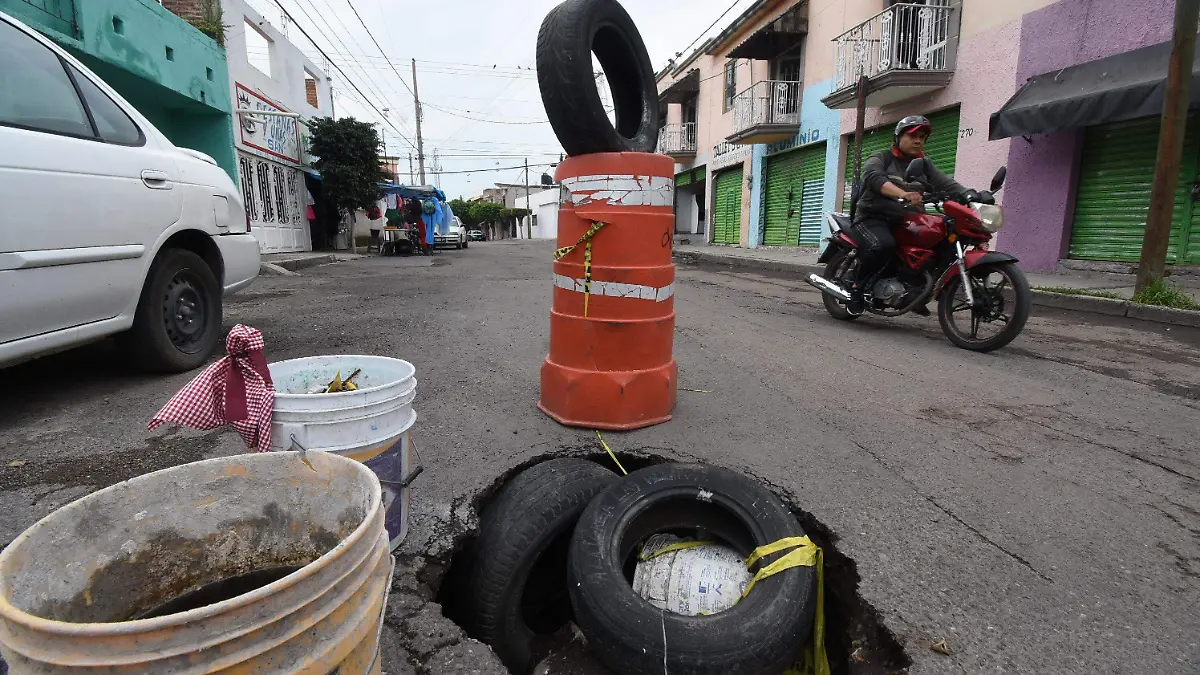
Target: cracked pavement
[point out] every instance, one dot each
(1038, 508)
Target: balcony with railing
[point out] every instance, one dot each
(678, 141)
(904, 51)
(767, 112)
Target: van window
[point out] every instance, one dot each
(112, 122)
(35, 92)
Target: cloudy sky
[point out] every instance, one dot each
(475, 69)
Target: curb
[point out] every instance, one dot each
(1074, 303)
(296, 264)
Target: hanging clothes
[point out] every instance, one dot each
(308, 205)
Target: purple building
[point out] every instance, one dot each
(1084, 129)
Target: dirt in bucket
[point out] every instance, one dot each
(219, 591)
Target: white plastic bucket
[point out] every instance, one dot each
(372, 425)
(702, 579)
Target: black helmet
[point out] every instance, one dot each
(910, 124)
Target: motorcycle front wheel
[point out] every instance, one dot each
(839, 268)
(1002, 304)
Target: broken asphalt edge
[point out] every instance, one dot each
(1064, 301)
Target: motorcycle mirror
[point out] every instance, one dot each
(998, 179)
(916, 170)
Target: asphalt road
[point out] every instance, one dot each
(1037, 508)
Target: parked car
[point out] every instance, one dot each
(107, 227)
(474, 235)
(456, 236)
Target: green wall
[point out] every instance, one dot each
(185, 95)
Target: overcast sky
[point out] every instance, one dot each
(475, 59)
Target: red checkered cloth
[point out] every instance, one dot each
(236, 390)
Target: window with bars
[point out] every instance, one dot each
(281, 198)
(730, 83)
(264, 192)
(246, 169)
(293, 197)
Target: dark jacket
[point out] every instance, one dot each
(889, 166)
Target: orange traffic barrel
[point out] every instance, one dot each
(613, 322)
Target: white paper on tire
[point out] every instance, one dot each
(703, 579)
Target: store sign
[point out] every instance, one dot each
(275, 135)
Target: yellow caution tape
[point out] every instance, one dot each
(586, 240)
(611, 453)
(643, 556)
(806, 554)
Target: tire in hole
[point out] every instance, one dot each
(761, 635)
(517, 586)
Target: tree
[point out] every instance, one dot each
(462, 209)
(486, 212)
(347, 153)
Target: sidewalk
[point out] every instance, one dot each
(803, 261)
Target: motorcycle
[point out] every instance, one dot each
(941, 256)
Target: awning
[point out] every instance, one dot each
(683, 88)
(781, 35)
(1121, 87)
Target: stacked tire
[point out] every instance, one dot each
(571, 528)
(570, 34)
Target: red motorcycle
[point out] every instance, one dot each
(983, 298)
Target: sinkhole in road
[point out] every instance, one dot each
(857, 641)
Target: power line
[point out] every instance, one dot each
(478, 119)
(499, 168)
(710, 27)
(372, 36)
(339, 69)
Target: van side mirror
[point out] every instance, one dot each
(916, 170)
(998, 179)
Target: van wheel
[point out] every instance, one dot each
(178, 319)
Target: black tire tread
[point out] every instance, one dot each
(515, 524)
(762, 635)
(1015, 325)
(141, 344)
(835, 309)
(568, 88)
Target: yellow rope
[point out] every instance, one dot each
(586, 240)
(611, 453)
(806, 554)
(643, 556)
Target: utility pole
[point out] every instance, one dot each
(1157, 238)
(410, 169)
(528, 216)
(858, 137)
(417, 110)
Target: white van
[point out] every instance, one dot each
(106, 228)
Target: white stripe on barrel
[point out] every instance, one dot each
(616, 289)
(626, 190)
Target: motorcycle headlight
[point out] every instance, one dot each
(991, 215)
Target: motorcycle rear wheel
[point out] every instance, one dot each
(1004, 300)
(835, 271)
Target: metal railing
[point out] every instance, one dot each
(767, 102)
(901, 37)
(677, 139)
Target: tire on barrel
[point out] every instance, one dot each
(569, 36)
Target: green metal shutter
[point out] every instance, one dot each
(1113, 193)
(784, 193)
(812, 210)
(941, 148)
(727, 210)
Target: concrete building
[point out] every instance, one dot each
(168, 69)
(544, 206)
(269, 74)
(760, 120)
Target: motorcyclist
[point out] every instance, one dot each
(886, 198)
